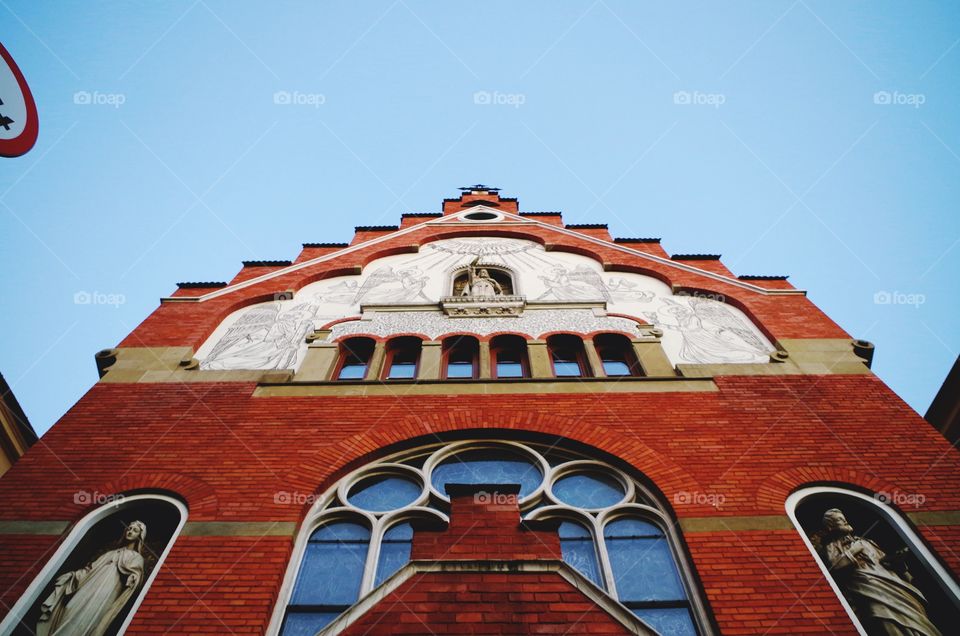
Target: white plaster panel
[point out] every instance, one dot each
(272, 335)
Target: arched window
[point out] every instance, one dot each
(617, 355)
(116, 549)
(645, 575)
(508, 354)
(403, 358)
(611, 530)
(355, 356)
(568, 356)
(460, 356)
(330, 576)
(501, 276)
(881, 570)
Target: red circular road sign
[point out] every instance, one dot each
(18, 112)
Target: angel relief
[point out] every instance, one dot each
(710, 332)
(271, 336)
(583, 283)
(264, 337)
(385, 285)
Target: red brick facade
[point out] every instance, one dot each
(226, 451)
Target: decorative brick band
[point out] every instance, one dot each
(34, 527)
(239, 529)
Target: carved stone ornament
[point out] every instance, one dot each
(479, 306)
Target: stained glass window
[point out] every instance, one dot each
(588, 490)
(394, 551)
(330, 576)
(609, 529)
(645, 575)
(488, 467)
(577, 548)
(384, 492)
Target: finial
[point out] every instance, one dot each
(479, 187)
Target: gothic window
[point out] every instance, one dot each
(617, 355)
(881, 570)
(355, 356)
(645, 576)
(509, 355)
(99, 575)
(460, 355)
(568, 356)
(611, 530)
(501, 275)
(330, 576)
(403, 357)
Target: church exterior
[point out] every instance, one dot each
(485, 421)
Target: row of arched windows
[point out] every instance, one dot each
(509, 357)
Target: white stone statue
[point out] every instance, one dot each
(481, 285)
(885, 602)
(86, 601)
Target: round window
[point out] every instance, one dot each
(380, 493)
(589, 490)
(481, 216)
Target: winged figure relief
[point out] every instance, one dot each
(387, 286)
(708, 336)
(264, 337)
(728, 325)
(627, 291)
(580, 284)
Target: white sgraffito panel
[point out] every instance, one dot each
(271, 335)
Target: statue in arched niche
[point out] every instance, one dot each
(86, 601)
(877, 585)
(480, 284)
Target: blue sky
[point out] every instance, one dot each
(819, 139)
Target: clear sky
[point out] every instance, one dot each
(819, 139)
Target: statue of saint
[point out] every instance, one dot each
(86, 601)
(480, 284)
(884, 601)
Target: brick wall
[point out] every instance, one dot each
(227, 453)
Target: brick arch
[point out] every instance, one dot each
(199, 496)
(662, 474)
(775, 489)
